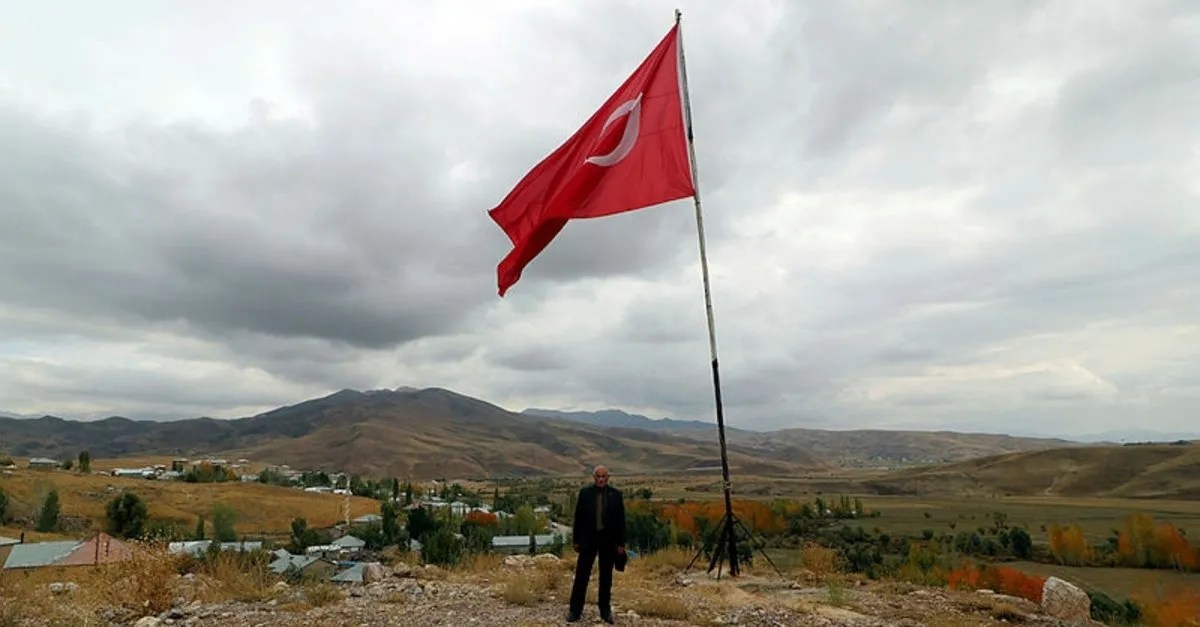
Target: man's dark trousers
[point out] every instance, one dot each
(599, 545)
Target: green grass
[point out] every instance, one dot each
(1116, 582)
(1096, 517)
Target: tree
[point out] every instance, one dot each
(1069, 546)
(391, 522)
(524, 522)
(420, 522)
(223, 519)
(408, 496)
(199, 535)
(395, 489)
(68, 464)
(127, 514)
(3, 506)
(1022, 544)
(442, 548)
(48, 520)
(85, 462)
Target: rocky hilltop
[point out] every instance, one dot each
(520, 590)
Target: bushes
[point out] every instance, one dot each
(998, 578)
(1109, 612)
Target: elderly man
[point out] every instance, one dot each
(599, 530)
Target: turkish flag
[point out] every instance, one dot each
(631, 154)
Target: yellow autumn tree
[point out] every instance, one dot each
(1069, 546)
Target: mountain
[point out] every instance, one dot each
(875, 447)
(620, 419)
(1138, 435)
(434, 432)
(1130, 471)
(421, 434)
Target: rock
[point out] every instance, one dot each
(517, 561)
(148, 621)
(280, 586)
(985, 591)
(1065, 601)
(62, 588)
(680, 580)
(402, 570)
(546, 557)
(372, 573)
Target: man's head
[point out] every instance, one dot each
(600, 476)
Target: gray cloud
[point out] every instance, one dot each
(978, 217)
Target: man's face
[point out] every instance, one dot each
(601, 477)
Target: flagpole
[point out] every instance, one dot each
(727, 535)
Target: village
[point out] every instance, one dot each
(340, 554)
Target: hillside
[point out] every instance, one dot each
(624, 420)
(880, 448)
(855, 448)
(421, 434)
(1131, 471)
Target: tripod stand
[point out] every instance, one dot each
(727, 542)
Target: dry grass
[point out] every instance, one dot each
(662, 606)
(262, 509)
(236, 578)
(820, 561)
(322, 594)
(480, 565)
(666, 562)
(534, 585)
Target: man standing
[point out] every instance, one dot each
(599, 530)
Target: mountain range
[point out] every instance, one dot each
(433, 432)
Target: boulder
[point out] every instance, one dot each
(373, 572)
(1065, 601)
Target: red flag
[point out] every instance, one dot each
(631, 154)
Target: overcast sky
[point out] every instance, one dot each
(921, 215)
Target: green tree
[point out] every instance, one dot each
(408, 495)
(199, 535)
(85, 462)
(48, 520)
(68, 464)
(127, 514)
(524, 521)
(223, 519)
(420, 523)
(1022, 544)
(442, 547)
(3, 507)
(391, 522)
(395, 489)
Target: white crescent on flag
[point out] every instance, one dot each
(632, 108)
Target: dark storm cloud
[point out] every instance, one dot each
(918, 214)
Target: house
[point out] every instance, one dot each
(331, 551)
(350, 543)
(196, 548)
(43, 463)
(139, 473)
(99, 549)
(367, 519)
(353, 574)
(303, 566)
(511, 545)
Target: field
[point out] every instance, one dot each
(262, 510)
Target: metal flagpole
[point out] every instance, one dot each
(727, 533)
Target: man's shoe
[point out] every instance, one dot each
(607, 617)
(573, 617)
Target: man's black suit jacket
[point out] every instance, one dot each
(584, 529)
